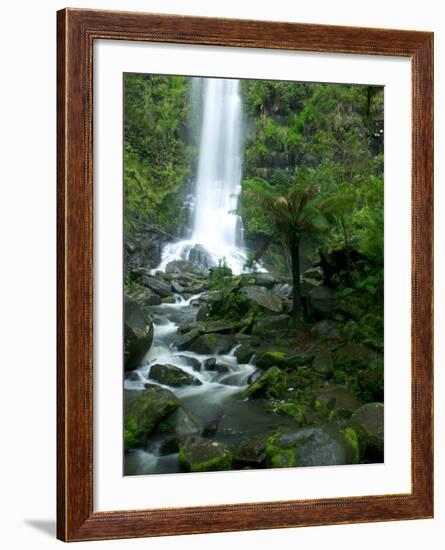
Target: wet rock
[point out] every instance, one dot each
(133, 376)
(202, 312)
(177, 288)
(211, 344)
(264, 325)
(283, 291)
(144, 411)
(211, 297)
(197, 454)
(159, 287)
(263, 297)
(211, 365)
(370, 419)
(292, 410)
(145, 297)
(172, 376)
(326, 329)
(316, 446)
(261, 279)
(178, 266)
(244, 353)
(200, 258)
(212, 426)
(184, 341)
(338, 399)
(252, 452)
(322, 299)
(272, 383)
(254, 377)
(180, 423)
(191, 362)
(138, 333)
(284, 359)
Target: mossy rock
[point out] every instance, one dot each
(370, 419)
(272, 383)
(144, 411)
(352, 357)
(263, 297)
(315, 446)
(284, 359)
(293, 410)
(244, 353)
(252, 452)
(211, 344)
(138, 333)
(197, 454)
(170, 375)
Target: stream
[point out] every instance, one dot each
(218, 398)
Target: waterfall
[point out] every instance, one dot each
(219, 168)
(216, 232)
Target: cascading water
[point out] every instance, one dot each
(217, 229)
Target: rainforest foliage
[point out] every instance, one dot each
(312, 189)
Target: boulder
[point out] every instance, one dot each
(211, 297)
(179, 423)
(244, 353)
(144, 411)
(138, 333)
(292, 410)
(197, 454)
(322, 299)
(263, 297)
(252, 452)
(315, 446)
(370, 419)
(191, 362)
(284, 359)
(172, 376)
(261, 279)
(211, 344)
(161, 288)
(184, 341)
(145, 297)
(272, 383)
(200, 258)
(325, 329)
(177, 288)
(323, 363)
(352, 357)
(264, 325)
(283, 291)
(179, 266)
(339, 399)
(202, 312)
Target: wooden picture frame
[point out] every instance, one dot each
(77, 31)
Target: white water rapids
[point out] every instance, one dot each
(216, 228)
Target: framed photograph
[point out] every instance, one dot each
(245, 229)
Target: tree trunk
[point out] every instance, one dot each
(295, 261)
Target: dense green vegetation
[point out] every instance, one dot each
(156, 154)
(310, 327)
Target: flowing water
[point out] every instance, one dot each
(216, 234)
(216, 228)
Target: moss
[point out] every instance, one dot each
(205, 456)
(278, 457)
(130, 432)
(294, 410)
(351, 437)
(272, 383)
